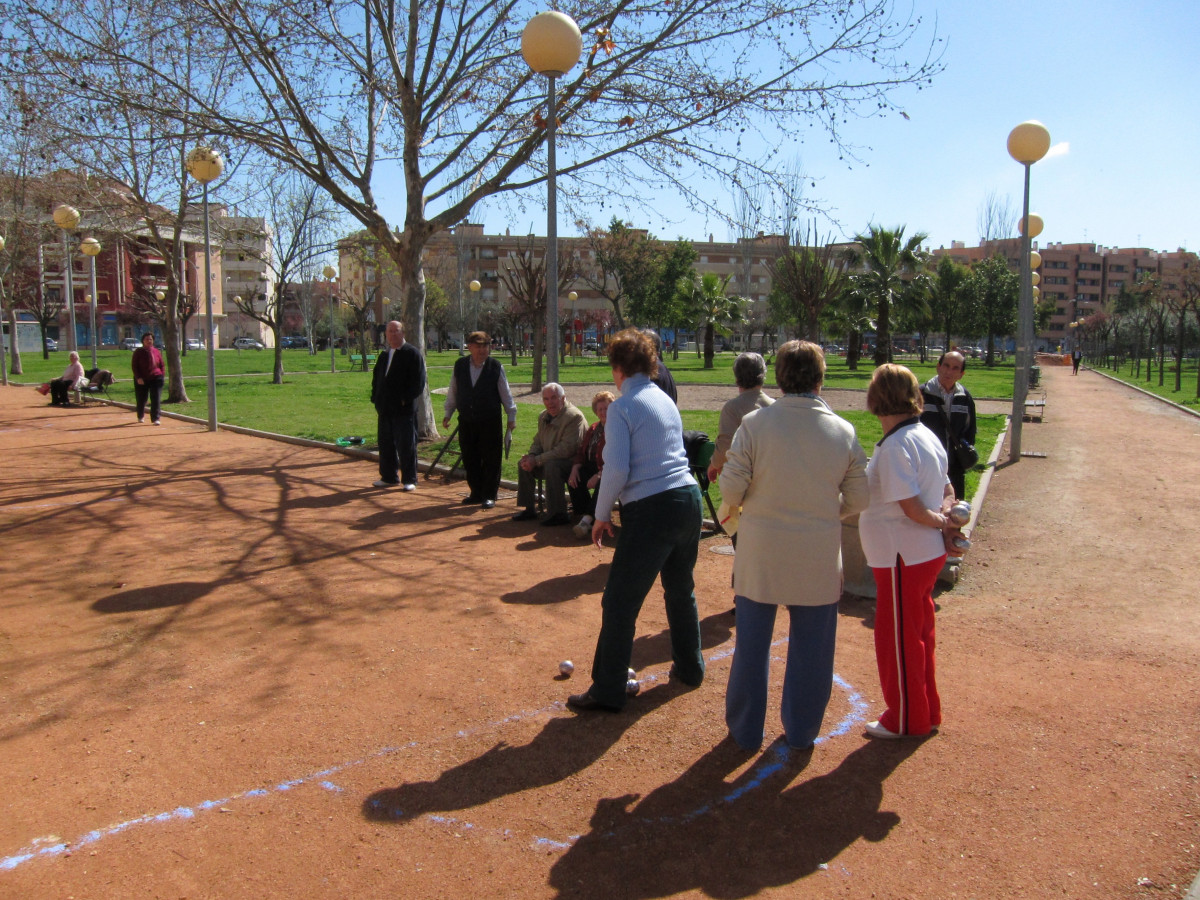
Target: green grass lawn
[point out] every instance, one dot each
(1184, 397)
(312, 403)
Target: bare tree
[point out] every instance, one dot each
(353, 89)
(300, 219)
(810, 276)
(524, 274)
(997, 218)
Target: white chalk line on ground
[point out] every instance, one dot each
(775, 758)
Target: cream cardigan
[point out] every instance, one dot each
(796, 468)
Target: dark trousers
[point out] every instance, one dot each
(398, 447)
(152, 389)
(958, 480)
(659, 535)
(60, 392)
(481, 444)
(583, 501)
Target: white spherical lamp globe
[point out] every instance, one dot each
(551, 43)
(205, 164)
(1028, 142)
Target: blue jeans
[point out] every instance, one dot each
(807, 680)
(659, 535)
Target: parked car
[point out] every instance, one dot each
(247, 343)
(51, 344)
(194, 344)
(592, 346)
(293, 342)
(130, 343)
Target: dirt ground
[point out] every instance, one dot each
(232, 669)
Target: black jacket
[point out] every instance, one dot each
(961, 415)
(405, 381)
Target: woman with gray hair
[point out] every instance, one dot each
(796, 469)
(749, 371)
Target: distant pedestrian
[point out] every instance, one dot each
(396, 384)
(1076, 359)
(480, 393)
(661, 375)
(148, 376)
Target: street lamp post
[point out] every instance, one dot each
(573, 296)
(329, 272)
(3, 360)
(475, 286)
(91, 249)
(551, 44)
(205, 164)
(67, 218)
(1027, 143)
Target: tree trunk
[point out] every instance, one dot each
(708, 345)
(277, 377)
(171, 342)
(405, 250)
(883, 331)
(14, 352)
(1179, 350)
(853, 349)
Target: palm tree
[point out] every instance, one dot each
(709, 307)
(885, 261)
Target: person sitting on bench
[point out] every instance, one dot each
(60, 388)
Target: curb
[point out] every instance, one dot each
(950, 572)
(1194, 893)
(1153, 396)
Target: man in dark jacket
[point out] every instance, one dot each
(662, 377)
(479, 391)
(950, 412)
(396, 383)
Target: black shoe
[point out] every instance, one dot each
(585, 702)
(488, 504)
(557, 519)
(676, 679)
(524, 515)
(470, 499)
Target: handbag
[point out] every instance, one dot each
(43, 389)
(966, 454)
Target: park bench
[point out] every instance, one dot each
(357, 360)
(1035, 406)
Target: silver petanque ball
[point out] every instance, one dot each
(632, 687)
(631, 675)
(961, 543)
(566, 667)
(960, 513)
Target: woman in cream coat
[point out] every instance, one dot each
(796, 469)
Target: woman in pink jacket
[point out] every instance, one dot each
(148, 374)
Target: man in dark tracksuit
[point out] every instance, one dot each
(479, 390)
(396, 383)
(950, 412)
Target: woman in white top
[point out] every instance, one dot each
(796, 468)
(905, 535)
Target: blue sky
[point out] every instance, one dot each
(1115, 84)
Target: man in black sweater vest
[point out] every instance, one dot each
(479, 391)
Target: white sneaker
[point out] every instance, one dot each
(583, 530)
(384, 484)
(408, 488)
(876, 730)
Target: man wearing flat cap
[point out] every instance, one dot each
(479, 391)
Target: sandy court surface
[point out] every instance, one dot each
(230, 668)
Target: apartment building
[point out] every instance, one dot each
(1082, 278)
(247, 261)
